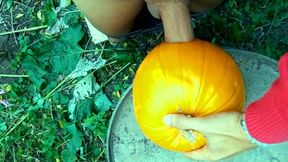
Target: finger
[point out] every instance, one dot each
(185, 122)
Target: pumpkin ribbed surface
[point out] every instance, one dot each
(194, 78)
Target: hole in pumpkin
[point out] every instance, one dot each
(189, 135)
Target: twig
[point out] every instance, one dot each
(101, 140)
(100, 155)
(22, 4)
(22, 24)
(102, 50)
(69, 12)
(89, 40)
(269, 24)
(23, 118)
(57, 147)
(59, 85)
(67, 85)
(275, 14)
(73, 84)
(25, 30)
(240, 22)
(14, 158)
(88, 51)
(12, 26)
(113, 76)
(13, 76)
(27, 157)
(262, 26)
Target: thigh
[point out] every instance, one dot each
(113, 17)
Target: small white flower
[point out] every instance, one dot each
(4, 102)
(2, 91)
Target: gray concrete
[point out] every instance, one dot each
(126, 143)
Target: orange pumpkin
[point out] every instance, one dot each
(193, 78)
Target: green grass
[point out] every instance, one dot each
(55, 116)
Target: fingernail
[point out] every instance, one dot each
(167, 120)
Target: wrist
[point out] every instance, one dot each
(246, 135)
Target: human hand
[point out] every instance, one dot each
(222, 131)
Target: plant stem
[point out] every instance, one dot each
(55, 89)
(14, 158)
(24, 30)
(13, 76)
(102, 152)
(23, 118)
(113, 76)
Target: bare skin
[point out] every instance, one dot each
(116, 17)
(223, 133)
(193, 5)
(176, 21)
(113, 17)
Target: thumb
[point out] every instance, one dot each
(184, 122)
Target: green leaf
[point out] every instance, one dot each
(49, 137)
(51, 85)
(97, 124)
(3, 126)
(284, 40)
(72, 35)
(85, 65)
(76, 141)
(126, 85)
(123, 57)
(64, 99)
(236, 32)
(50, 15)
(102, 103)
(35, 70)
(64, 3)
(68, 155)
(72, 18)
(84, 108)
(95, 150)
(8, 4)
(56, 27)
(64, 57)
(117, 87)
(72, 104)
(86, 87)
(40, 103)
(64, 53)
